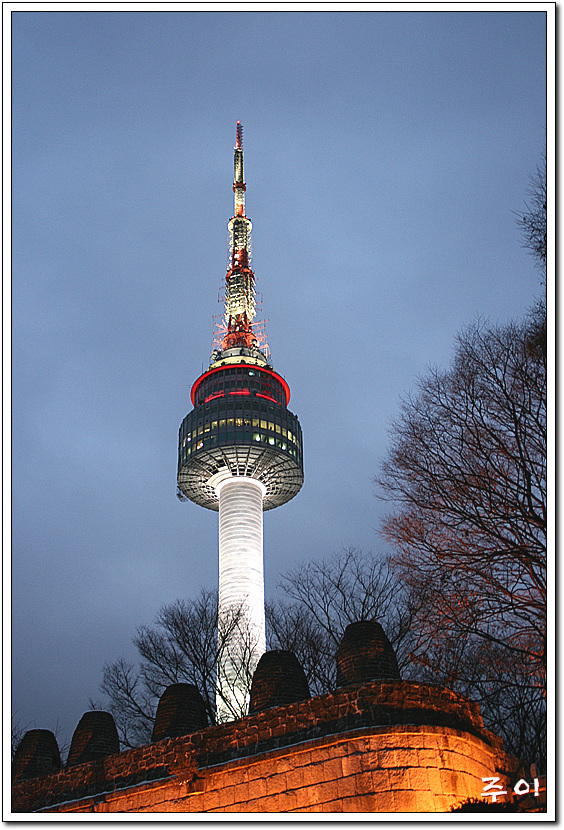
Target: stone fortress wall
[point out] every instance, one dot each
(375, 744)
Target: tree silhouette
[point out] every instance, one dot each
(467, 473)
(533, 220)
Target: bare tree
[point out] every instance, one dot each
(329, 594)
(533, 220)
(467, 473)
(467, 468)
(132, 704)
(183, 646)
(511, 705)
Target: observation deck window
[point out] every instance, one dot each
(250, 421)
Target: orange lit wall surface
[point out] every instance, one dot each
(393, 746)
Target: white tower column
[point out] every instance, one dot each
(242, 636)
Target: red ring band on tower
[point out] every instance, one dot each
(237, 365)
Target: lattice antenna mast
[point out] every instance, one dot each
(240, 303)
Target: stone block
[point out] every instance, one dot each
(238, 775)
(193, 803)
(434, 779)
(383, 802)
(398, 778)
(452, 759)
(271, 803)
(254, 805)
(134, 802)
(387, 739)
(418, 779)
(313, 774)
(346, 787)
(469, 785)
(434, 738)
(380, 780)
(478, 751)
(443, 803)
(331, 769)
(284, 763)
(241, 793)
(275, 783)
(342, 749)
(323, 791)
(364, 783)
(351, 764)
(406, 801)
(167, 806)
(257, 786)
(448, 781)
(295, 778)
(288, 801)
(210, 800)
(425, 802)
(426, 757)
(333, 806)
(302, 758)
(387, 758)
(370, 759)
(406, 757)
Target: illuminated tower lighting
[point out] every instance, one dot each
(240, 452)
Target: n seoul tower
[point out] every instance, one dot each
(240, 452)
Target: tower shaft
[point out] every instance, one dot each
(241, 635)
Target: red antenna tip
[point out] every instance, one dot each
(239, 142)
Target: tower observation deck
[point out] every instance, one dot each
(240, 452)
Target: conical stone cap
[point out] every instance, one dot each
(279, 679)
(181, 711)
(37, 754)
(95, 737)
(365, 654)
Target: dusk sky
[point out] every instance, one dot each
(386, 157)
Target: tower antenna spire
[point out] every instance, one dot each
(240, 302)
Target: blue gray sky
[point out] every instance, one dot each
(386, 154)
